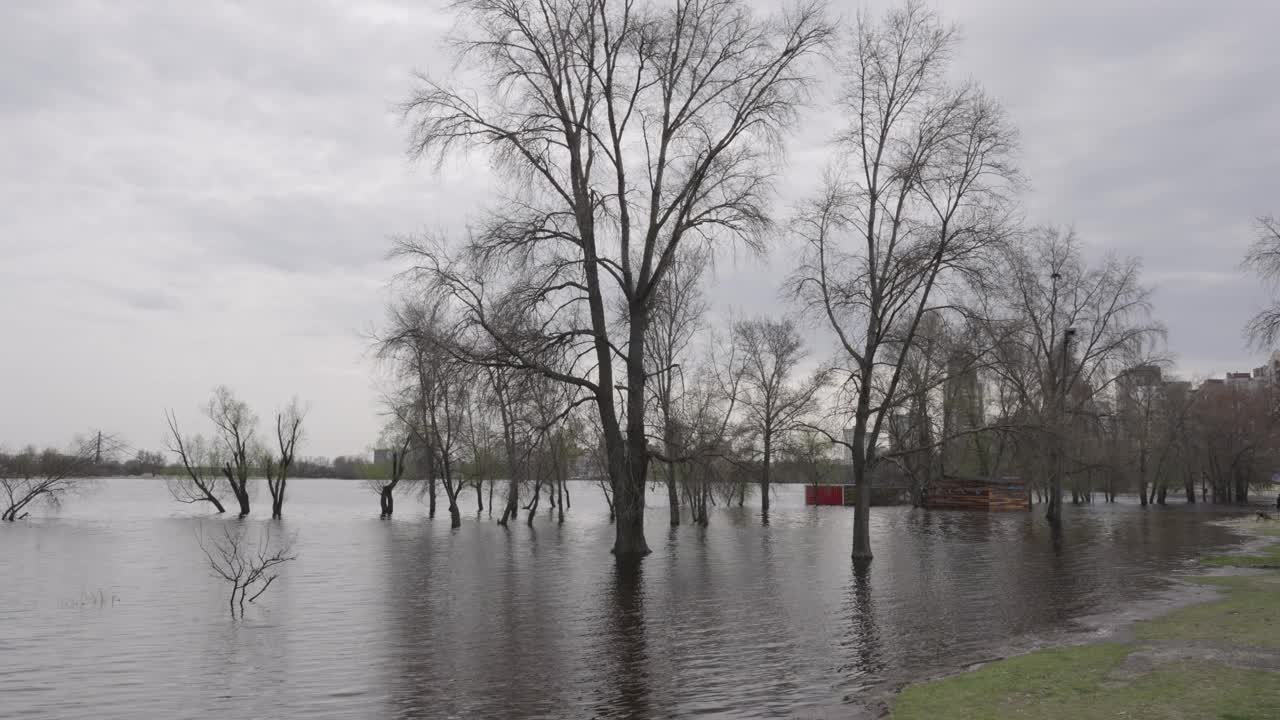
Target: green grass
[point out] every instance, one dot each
(1248, 617)
(1017, 687)
(1089, 681)
(1267, 558)
(1073, 683)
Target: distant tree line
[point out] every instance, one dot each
(566, 333)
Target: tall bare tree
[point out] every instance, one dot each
(433, 402)
(201, 466)
(773, 400)
(481, 440)
(628, 130)
(1069, 330)
(386, 489)
(920, 195)
(235, 426)
(704, 436)
(276, 468)
(677, 316)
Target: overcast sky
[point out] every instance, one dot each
(197, 193)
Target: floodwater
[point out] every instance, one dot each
(108, 609)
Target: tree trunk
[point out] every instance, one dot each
(479, 497)
(242, 497)
(431, 492)
(513, 502)
(386, 500)
(764, 479)
(861, 458)
(1053, 513)
(673, 498)
(277, 503)
(628, 503)
(533, 504)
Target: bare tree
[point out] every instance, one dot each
(704, 435)
(288, 433)
(480, 439)
(250, 567)
(386, 490)
(677, 316)
(923, 194)
(1068, 331)
(1263, 260)
(508, 387)
(235, 425)
(200, 465)
(629, 130)
(1238, 432)
(31, 477)
(439, 388)
(771, 399)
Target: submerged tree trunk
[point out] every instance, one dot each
(513, 502)
(861, 459)
(673, 498)
(277, 499)
(1053, 513)
(764, 480)
(533, 504)
(479, 497)
(239, 489)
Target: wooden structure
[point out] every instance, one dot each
(964, 493)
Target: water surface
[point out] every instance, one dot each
(108, 610)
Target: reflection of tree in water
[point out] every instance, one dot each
(412, 672)
(628, 655)
(861, 643)
(476, 623)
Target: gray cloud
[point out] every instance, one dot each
(198, 193)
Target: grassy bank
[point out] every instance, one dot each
(1219, 659)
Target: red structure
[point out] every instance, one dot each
(826, 494)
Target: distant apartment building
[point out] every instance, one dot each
(1263, 376)
(1271, 371)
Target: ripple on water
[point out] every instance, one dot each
(108, 611)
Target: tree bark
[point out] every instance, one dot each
(386, 500)
(673, 498)
(764, 479)
(860, 457)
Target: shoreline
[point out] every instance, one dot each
(1187, 630)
